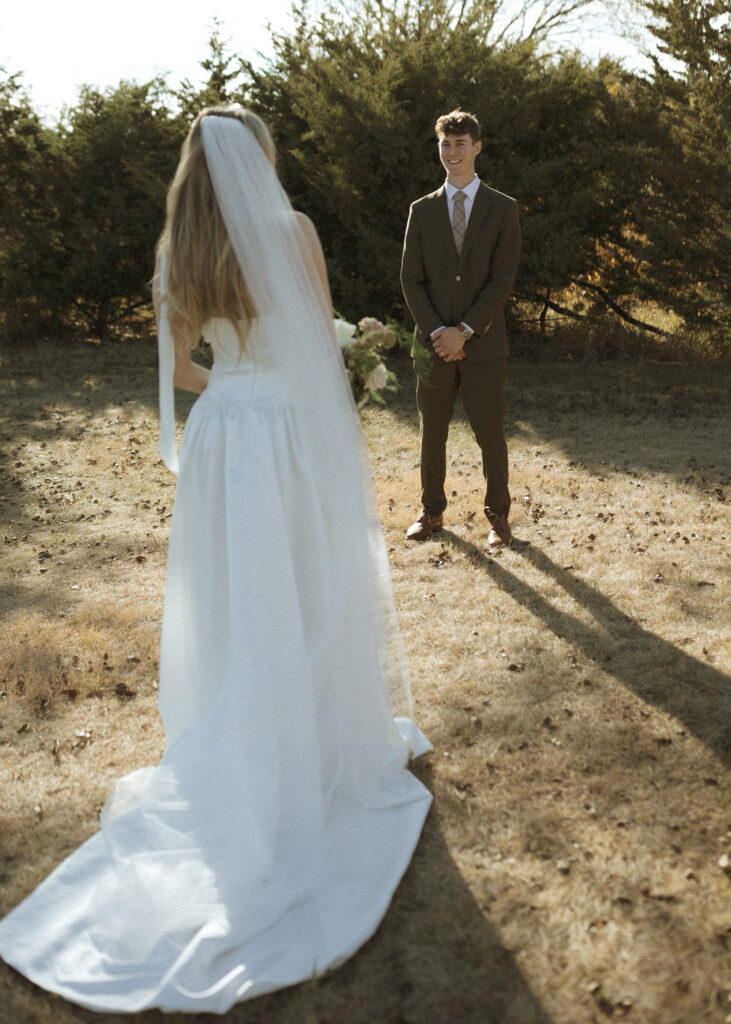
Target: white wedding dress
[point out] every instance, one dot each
(267, 844)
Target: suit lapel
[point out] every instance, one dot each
(480, 207)
(443, 223)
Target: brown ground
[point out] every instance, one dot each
(575, 687)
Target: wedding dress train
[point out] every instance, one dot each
(266, 845)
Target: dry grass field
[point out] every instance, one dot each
(574, 868)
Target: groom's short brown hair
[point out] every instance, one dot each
(458, 122)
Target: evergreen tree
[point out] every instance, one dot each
(623, 182)
(28, 217)
(223, 84)
(118, 151)
(684, 223)
(353, 103)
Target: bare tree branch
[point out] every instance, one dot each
(606, 298)
(548, 303)
(554, 13)
(462, 7)
(539, 20)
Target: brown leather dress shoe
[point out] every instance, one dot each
(424, 527)
(500, 532)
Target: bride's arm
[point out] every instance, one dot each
(314, 261)
(188, 375)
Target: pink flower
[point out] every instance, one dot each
(368, 324)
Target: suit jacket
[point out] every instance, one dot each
(442, 288)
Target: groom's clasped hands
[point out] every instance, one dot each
(449, 344)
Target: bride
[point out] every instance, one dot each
(267, 844)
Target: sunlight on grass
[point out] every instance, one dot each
(574, 686)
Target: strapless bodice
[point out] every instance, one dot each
(249, 377)
(221, 335)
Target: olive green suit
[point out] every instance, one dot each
(443, 288)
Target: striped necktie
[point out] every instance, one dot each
(459, 223)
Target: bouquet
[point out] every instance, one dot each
(362, 345)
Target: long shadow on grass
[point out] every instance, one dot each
(656, 670)
(434, 959)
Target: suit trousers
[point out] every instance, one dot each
(482, 385)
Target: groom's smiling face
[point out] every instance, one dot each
(457, 154)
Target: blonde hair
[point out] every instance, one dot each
(203, 278)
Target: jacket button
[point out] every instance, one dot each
(458, 278)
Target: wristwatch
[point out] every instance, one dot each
(466, 333)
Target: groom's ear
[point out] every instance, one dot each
(478, 147)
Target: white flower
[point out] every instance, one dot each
(344, 332)
(376, 379)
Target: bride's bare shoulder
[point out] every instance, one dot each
(306, 226)
(311, 244)
(314, 258)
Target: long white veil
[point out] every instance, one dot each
(268, 242)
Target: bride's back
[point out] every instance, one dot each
(221, 334)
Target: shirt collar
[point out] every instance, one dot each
(469, 190)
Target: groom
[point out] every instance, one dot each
(460, 258)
